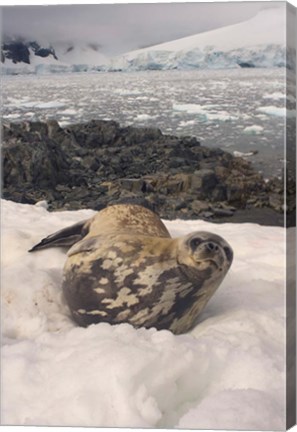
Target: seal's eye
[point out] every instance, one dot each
(229, 253)
(194, 243)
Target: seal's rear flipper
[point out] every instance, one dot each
(63, 238)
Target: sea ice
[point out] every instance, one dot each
(275, 96)
(277, 111)
(143, 117)
(253, 130)
(206, 113)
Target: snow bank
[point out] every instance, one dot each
(230, 364)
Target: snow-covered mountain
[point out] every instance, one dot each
(258, 42)
(20, 56)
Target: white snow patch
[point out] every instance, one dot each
(58, 374)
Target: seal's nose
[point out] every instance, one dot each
(211, 247)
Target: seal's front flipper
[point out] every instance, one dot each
(63, 238)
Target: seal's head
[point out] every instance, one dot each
(205, 252)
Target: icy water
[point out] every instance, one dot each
(237, 110)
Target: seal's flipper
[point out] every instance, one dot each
(63, 238)
(86, 245)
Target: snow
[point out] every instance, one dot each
(79, 54)
(267, 28)
(76, 57)
(231, 363)
(257, 42)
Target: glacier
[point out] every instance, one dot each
(270, 56)
(259, 42)
(256, 43)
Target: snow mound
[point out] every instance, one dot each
(232, 363)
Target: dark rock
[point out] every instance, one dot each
(16, 51)
(133, 185)
(222, 212)
(219, 193)
(140, 135)
(276, 201)
(40, 164)
(203, 181)
(207, 214)
(94, 164)
(199, 207)
(189, 141)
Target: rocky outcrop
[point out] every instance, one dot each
(94, 164)
(19, 51)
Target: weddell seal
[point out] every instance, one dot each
(124, 267)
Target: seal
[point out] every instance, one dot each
(124, 267)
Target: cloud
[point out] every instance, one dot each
(123, 27)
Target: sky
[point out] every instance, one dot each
(119, 28)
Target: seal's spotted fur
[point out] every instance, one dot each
(127, 268)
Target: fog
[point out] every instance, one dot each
(123, 27)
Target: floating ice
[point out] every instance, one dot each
(242, 154)
(275, 96)
(205, 113)
(277, 111)
(42, 105)
(144, 117)
(253, 130)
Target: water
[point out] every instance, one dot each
(237, 110)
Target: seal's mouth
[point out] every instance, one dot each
(208, 262)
